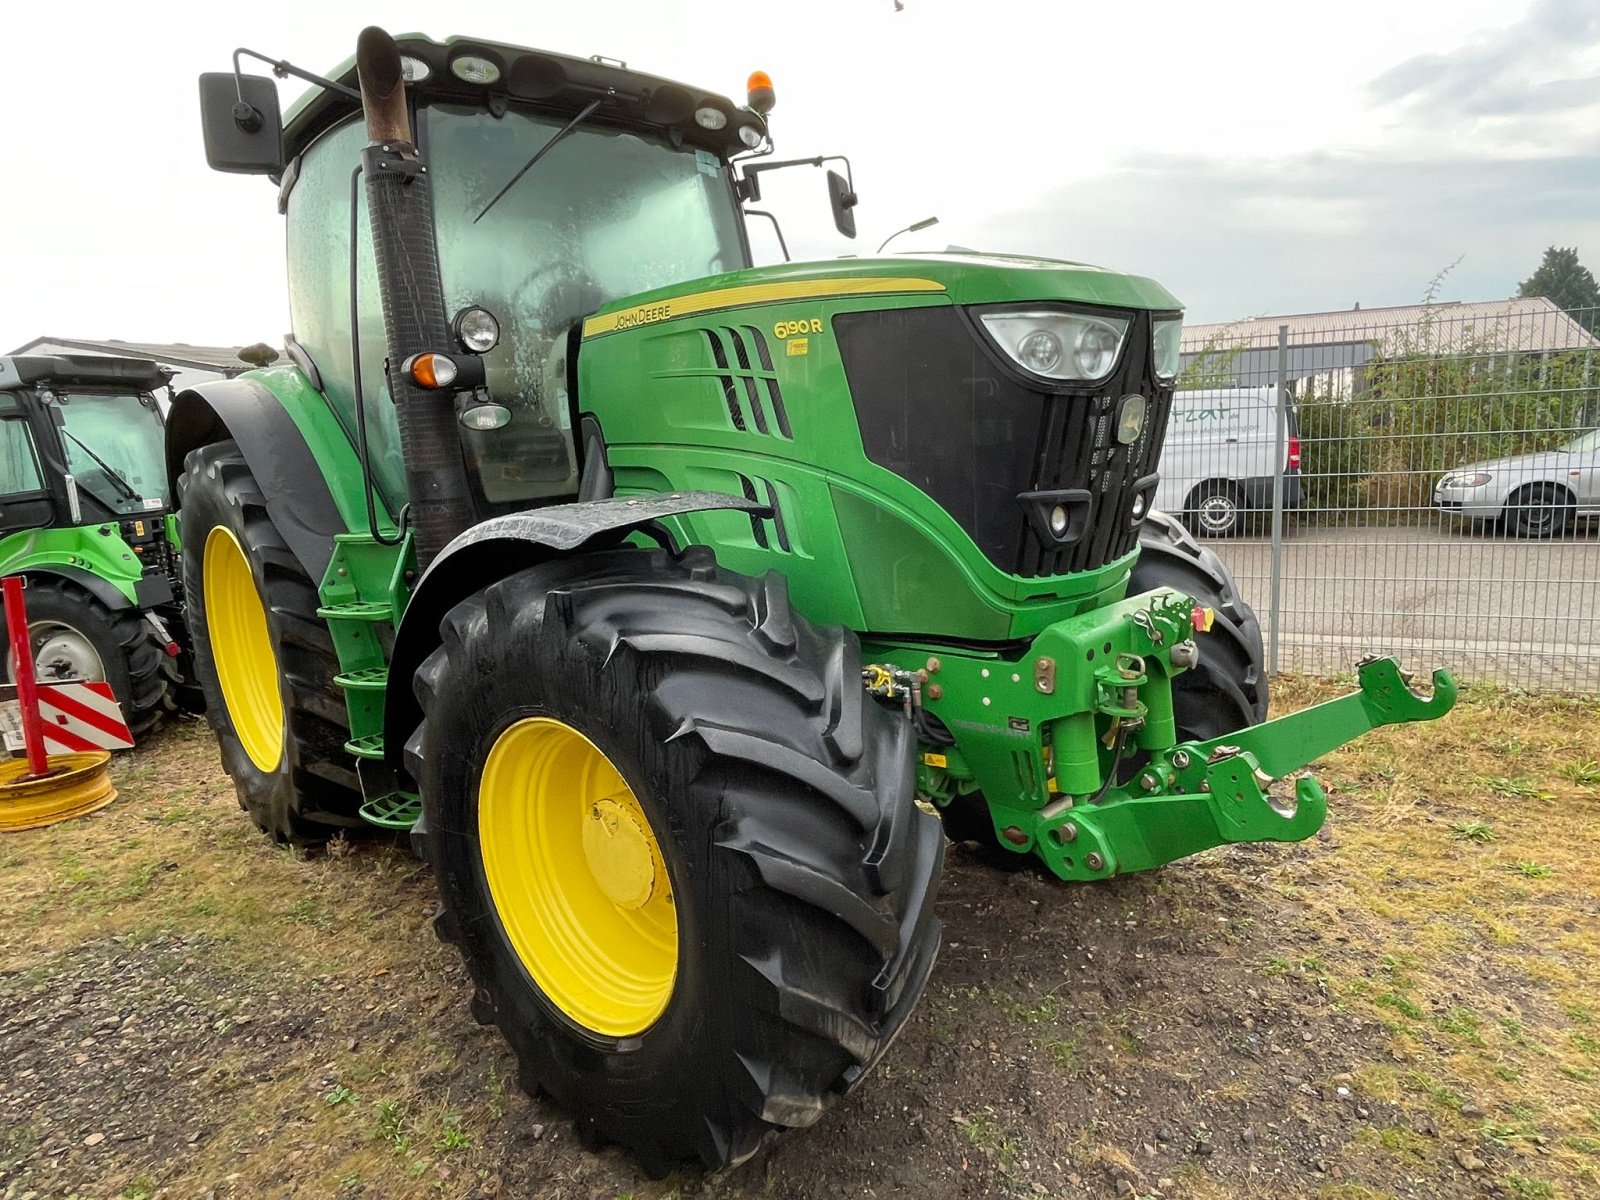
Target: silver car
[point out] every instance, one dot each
(1534, 495)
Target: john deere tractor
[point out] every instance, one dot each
(670, 603)
(85, 518)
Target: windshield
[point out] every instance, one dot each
(1589, 441)
(605, 214)
(113, 447)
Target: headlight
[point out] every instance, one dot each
(476, 329)
(1465, 479)
(1059, 345)
(1169, 343)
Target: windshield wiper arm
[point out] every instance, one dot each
(537, 155)
(111, 472)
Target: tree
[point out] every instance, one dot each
(1570, 284)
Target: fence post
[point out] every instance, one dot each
(1280, 459)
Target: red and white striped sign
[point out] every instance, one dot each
(81, 716)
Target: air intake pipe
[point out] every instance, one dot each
(400, 204)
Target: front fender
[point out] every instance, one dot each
(500, 547)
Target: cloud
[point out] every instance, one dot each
(1315, 230)
(1530, 69)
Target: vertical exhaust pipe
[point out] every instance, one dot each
(400, 205)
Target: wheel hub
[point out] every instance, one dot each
(64, 653)
(618, 854)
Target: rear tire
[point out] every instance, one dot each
(1228, 689)
(779, 802)
(1215, 509)
(1540, 510)
(294, 778)
(75, 636)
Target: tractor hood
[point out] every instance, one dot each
(963, 278)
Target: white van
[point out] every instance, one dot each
(1217, 462)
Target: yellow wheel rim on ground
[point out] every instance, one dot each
(577, 878)
(74, 785)
(246, 667)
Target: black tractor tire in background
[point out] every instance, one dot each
(1215, 509)
(132, 659)
(802, 872)
(1540, 510)
(313, 791)
(1228, 689)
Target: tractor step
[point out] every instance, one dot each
(368, 679)
(396, 810)
(357, 610)
(370, 746)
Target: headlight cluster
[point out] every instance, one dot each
(1058, 344)
(1465, 479)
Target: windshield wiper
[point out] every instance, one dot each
(537, 155)
(111, 472)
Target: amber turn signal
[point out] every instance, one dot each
(431, 370)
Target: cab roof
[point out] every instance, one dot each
(82, 370)
(550, 82)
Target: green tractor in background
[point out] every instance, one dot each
(671, 602)
(86, 519)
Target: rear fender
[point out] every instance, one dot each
(293, 479)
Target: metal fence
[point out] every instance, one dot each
(1440, 459)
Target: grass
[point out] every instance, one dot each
(1454, 893)
(1458, 886)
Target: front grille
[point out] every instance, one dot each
(938, 408)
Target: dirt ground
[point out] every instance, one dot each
(1405, 1005)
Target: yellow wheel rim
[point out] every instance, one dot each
(246, 667)
(577, 877)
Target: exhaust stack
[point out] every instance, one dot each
(400, 204)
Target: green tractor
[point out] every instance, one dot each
(86, 519)
(671, 602)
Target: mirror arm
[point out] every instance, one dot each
(282, 69)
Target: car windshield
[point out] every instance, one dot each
(114, 449)
(607, 213)
(1589, 441)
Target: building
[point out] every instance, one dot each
(1328, 349)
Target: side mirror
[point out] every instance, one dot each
(844, 203)
(241, 122)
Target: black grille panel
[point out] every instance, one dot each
(937, 408)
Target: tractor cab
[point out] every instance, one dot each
(81, 443)
(560, 185)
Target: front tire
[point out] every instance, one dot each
(677, 845)
(1540, 510)
(266, 668)
(75, 636)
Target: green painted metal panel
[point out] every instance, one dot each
(98, 549)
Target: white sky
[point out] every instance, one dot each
(1254, 156)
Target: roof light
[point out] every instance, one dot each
(414, 69)
(710, 118)
(751, 136)
(762, 98)
(474, 68)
